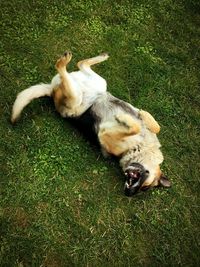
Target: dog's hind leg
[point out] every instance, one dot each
(84, 65)
(66, 93)
(149, 121)
(114, 135)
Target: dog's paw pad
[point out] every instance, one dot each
(67, 54)
(64, 60)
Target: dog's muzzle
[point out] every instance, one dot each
(135, 177)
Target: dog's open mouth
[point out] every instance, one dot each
(132, 176)
(135, 176)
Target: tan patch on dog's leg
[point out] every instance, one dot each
(66, 91)
(114, 138)
(150, 122)
(59, 98)
(129, 124)
(111, 143)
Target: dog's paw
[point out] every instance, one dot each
(64, 60)
(150, 122)
(104, 55)
(67, 55)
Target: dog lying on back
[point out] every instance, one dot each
(122, 130)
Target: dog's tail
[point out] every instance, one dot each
(27, 95)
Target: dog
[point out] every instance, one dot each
(122, 129)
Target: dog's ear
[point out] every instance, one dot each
(164, 181)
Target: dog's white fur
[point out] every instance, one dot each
(87, 89)
(26, 96)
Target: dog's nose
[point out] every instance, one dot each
(127, 192)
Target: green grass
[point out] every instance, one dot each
(62, 203)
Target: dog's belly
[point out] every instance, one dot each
(91, 85)
(106, 107)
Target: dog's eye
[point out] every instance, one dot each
(147, 172)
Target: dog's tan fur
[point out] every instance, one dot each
(114, 137)
(119, 131)
(150, 122)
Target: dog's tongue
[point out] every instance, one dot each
(134, 175)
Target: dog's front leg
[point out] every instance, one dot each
(113, 135)
(85, 64)
(149, 121)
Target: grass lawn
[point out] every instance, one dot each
(62, 203)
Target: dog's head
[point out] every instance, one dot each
(140, 178)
